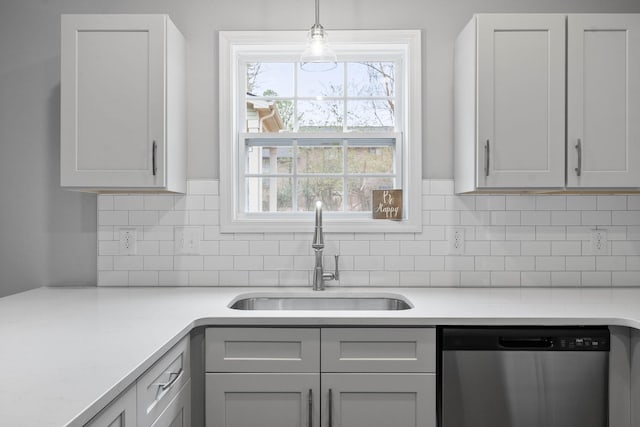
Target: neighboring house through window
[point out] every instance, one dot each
(291, 137)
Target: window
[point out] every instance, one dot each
(290, 137)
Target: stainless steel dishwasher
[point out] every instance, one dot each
(523, 377)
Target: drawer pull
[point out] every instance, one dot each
(173, 377)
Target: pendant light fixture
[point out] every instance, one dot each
(318, 56)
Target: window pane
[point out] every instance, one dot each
(328, 190)
(320, 159)
(374, 159)
(371, 79)
(270, 79)
(324, 83)
(377, 116)
(319, 116)
(360, 191)
(269, 160)
(269, 194)
(269, 116)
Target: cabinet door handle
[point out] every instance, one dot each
(173, 377)
(310, 422)
(579, 149)
(486, 158)
(330, 408)
(154, 153)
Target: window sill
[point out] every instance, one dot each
(301, 225)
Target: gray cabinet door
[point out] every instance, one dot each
(178, 413)
(262, 400)
(121, 412)
(378, 400)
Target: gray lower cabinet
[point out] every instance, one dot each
(373, 377)
(121, 412)
(262, 400)
(178, 413)
(378, 400)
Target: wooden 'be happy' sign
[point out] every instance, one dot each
(387, 204)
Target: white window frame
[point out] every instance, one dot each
(235, 44)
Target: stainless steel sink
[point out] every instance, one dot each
(321, 303)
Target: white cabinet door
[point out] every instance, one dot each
(119, 82)
(121, 412)
(603, 100)
(262, 400)
(379, 400)
(520, 101)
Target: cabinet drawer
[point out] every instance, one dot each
(120, 412)
(262, 350)
(157, 387)
(379, 350)
(178, 413)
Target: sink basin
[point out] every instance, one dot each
(338, 302)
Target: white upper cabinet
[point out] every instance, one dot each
(123, 121)
(510, 102)
(514, 120)
(603, 90)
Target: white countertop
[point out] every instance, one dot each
(66, 352)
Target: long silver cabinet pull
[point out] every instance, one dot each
(579, 149)
(330, 408)
(154, 153)
(486, 158)
(310, 422)
(173, 377)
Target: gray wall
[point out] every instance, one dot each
(48, 236)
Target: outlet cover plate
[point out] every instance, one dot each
(599, 242)
(456, 241)
(127, 241)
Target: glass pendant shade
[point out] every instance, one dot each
(318, 55)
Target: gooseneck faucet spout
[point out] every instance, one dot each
(319, 276)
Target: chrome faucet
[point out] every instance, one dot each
(319, 276)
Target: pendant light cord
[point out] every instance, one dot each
(317, 13)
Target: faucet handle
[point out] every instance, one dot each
(336, 273)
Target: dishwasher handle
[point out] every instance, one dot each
(524, 343)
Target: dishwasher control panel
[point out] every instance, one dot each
(507, 338)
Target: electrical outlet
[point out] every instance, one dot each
(456, 241)
(187, 240)
(599, 242)
(128, 241)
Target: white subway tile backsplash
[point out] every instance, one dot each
(550, 263)
(113, 218)
(204, 278)
(505, 279)
(536, 218)
(163, 202)
(414, 278)
(581, 203)
(475, 279)
(611, 203)
(143, 278)
(551, 203)
(596, 218)
(535, 278)
(510, 240)
(611, 263)
(596, 279)
(234, 278)
(490, 203)
(384, 247)
(128, 203)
